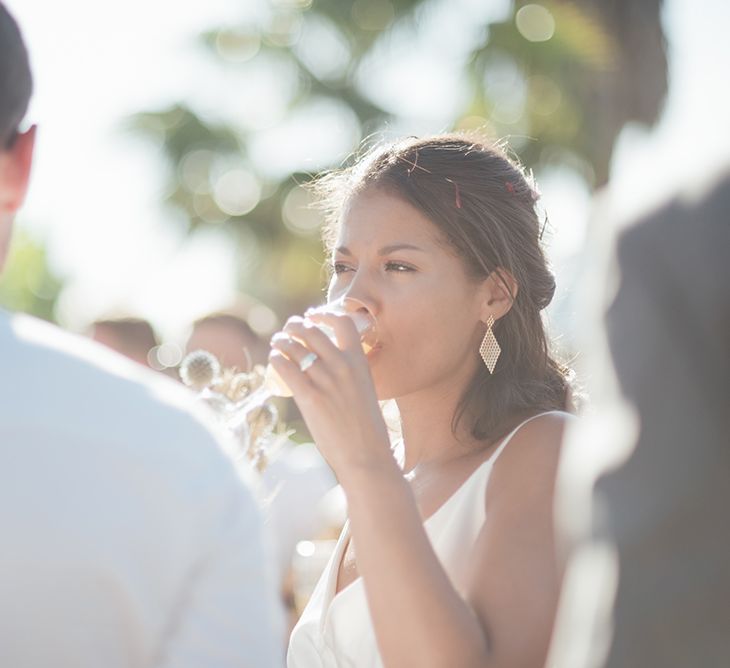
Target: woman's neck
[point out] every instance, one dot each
(426, 423)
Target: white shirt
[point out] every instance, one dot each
(126, 536)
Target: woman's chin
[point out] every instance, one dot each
(385, 391)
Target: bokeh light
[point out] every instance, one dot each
(237, 46)
(194, 170)
(237, 192)
(240, 102)
(299, 215)
(535, 23)
(262, 319)
(165, 356)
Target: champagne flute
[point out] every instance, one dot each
(274, 385)
(364, 323)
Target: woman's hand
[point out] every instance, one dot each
(335, 394)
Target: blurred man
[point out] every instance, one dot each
(127, 538)
(16, 149)
(653, 578)
(131, 337)
(230, 338)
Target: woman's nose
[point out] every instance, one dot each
(366, 319)
(356, 295)
(353, 304)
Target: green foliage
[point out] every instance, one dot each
(581, 86)
(560, 78)
(27, 284)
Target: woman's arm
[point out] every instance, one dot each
(514, 583)
(419, 617)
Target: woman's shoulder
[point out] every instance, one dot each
(540, 430)
(532, 454)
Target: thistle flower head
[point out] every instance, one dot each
(200, 369)
(261, 422)
(236, 386)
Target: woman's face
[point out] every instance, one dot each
(392, 258)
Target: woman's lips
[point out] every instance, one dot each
(373, 350)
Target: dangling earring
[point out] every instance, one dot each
(490, 350)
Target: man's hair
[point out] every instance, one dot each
(134, 336)
(16, 81)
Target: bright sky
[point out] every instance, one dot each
(692, 137)
(96, 192)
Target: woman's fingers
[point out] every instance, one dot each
(297, 365)
(292, 349)
(330, 383)
(301, 357)
(310, 336)
(288, 370)
(306, 358)
(348, 338)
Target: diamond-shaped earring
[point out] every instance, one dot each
(489, 349)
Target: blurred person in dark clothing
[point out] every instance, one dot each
(653, 577)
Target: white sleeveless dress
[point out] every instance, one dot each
(335, 630)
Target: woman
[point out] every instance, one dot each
(448, 557)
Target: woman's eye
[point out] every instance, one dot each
(339, 267)
(398, 267)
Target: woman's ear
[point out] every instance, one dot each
(500, 291)
(15, 163)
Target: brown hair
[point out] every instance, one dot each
(484, 206)
(134, 337)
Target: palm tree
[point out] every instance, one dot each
(561, 77)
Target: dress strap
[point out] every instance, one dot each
(503, 444)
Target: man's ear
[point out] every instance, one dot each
(15, 164)
(500, 291)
